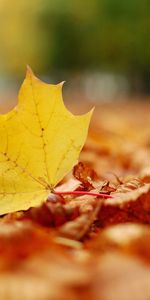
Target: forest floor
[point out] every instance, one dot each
(85, 247)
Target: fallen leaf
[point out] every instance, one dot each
(84, 173)
(130, 204)
(70, 185)
(40, 143)
(78, 228)
(51, 214)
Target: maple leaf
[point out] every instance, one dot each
(40, 141)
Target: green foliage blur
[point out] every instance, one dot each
(75, 35)
(108, 34)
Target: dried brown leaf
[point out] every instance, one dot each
(85, 174)
(133, 205)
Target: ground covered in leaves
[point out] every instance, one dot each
(84, 247)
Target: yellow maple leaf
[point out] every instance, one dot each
(40, 141)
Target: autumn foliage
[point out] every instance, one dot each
(78, 246)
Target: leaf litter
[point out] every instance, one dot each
(81, 246)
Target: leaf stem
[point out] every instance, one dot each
(99, 195)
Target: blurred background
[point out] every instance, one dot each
(100, 47)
